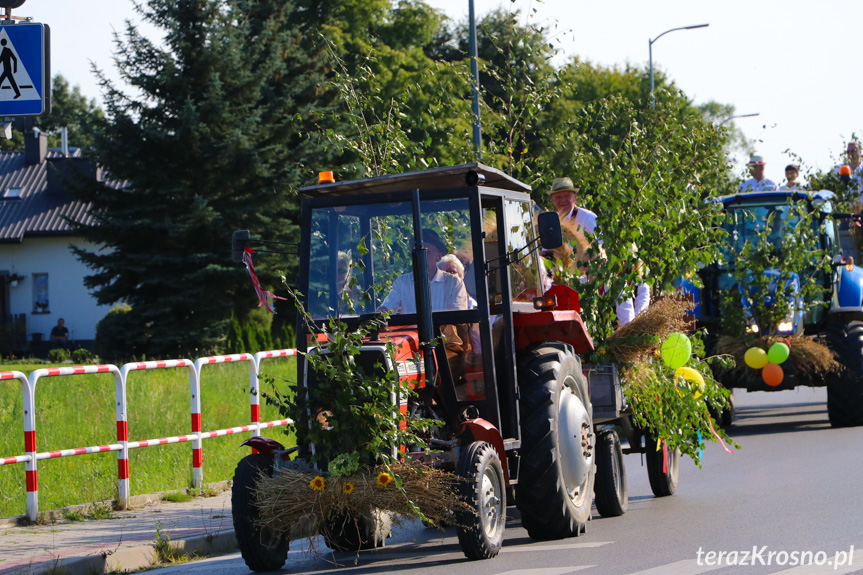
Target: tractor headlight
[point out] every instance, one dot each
(752, 328)
(786, 326)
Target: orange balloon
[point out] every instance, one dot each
(772, 374)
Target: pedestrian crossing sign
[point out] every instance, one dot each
(25, 76)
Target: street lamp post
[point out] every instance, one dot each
(717, 124)
(474, 70)
(650, 52)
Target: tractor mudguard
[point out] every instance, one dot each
(264, 446)
(482, 430)
(558, 325)
(849, 291)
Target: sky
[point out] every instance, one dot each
(794, 62)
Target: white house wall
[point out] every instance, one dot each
(68, 298)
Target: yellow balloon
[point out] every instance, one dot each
(692, 375)
(755, 357)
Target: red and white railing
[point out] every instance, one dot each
(123, 445)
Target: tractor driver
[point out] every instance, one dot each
(447, 290)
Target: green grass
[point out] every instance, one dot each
(79, 411)
(177, 497)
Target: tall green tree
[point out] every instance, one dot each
(214, 135)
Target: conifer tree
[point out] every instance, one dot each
(212, 135)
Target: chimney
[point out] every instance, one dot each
(35, 147)
(64, 139)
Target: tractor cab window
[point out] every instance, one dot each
(360, 253)
(749, 222)
(524, 276)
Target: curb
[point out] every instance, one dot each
(141, 557)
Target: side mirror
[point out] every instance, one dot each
(239, 242)
(548, 228)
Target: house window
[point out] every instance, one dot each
(12, 193)
(40, 293)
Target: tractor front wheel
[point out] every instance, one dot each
(663, 467)
(845, 387)
(261, 549)
(610, 489)
(349, 533)
(555, 486)
(483, 487)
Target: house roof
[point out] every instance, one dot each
(31, 210)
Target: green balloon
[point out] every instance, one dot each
(778, 353)
(676, 350)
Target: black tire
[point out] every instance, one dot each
(480, 535)
(663, 478)
(555, 486)
(726, 418)
(611, 496)
(349, 533)
(260, 549)
(845, 387)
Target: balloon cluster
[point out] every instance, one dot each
(769, 362)
(676, 351)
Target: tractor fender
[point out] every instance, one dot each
(849, 288)
(482, 430)
(264, 446)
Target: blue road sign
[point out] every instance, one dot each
(25, 71)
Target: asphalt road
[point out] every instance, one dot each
(794, 489)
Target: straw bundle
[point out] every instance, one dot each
(807, 354)
(637, 339)
(288, 498)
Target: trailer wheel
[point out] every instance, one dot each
(726, 418)
(350, 533)
(845, 388)
(480, 535)
(663, 467)
(555, 486)
(610, 487)
(260, 548)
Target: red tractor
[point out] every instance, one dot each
(512, 396)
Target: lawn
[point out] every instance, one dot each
(79, 411)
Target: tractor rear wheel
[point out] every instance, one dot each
(349, 533)
(260, 548)
(663, 467)
(480, 534)
(845, 387)
(610, 488)
(555, 486)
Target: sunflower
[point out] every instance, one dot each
(348, 488)
(318, 483)
(384, 479)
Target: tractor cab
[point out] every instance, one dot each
(377, 243)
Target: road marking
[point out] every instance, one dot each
(530, 547)
(547, 570)
(685, 567)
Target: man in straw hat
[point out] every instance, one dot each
(579, 221)
(758, 182)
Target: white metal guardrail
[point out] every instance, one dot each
(123, 445)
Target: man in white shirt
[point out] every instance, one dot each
(852, 156)
(758, 182)
(563, 196)
(447, 290)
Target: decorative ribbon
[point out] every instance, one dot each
(710, 423)
(265, 298)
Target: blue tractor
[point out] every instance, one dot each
(837, 319)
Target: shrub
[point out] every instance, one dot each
(58, 355)
(117, 338)
(235, 337)
(82, 356)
